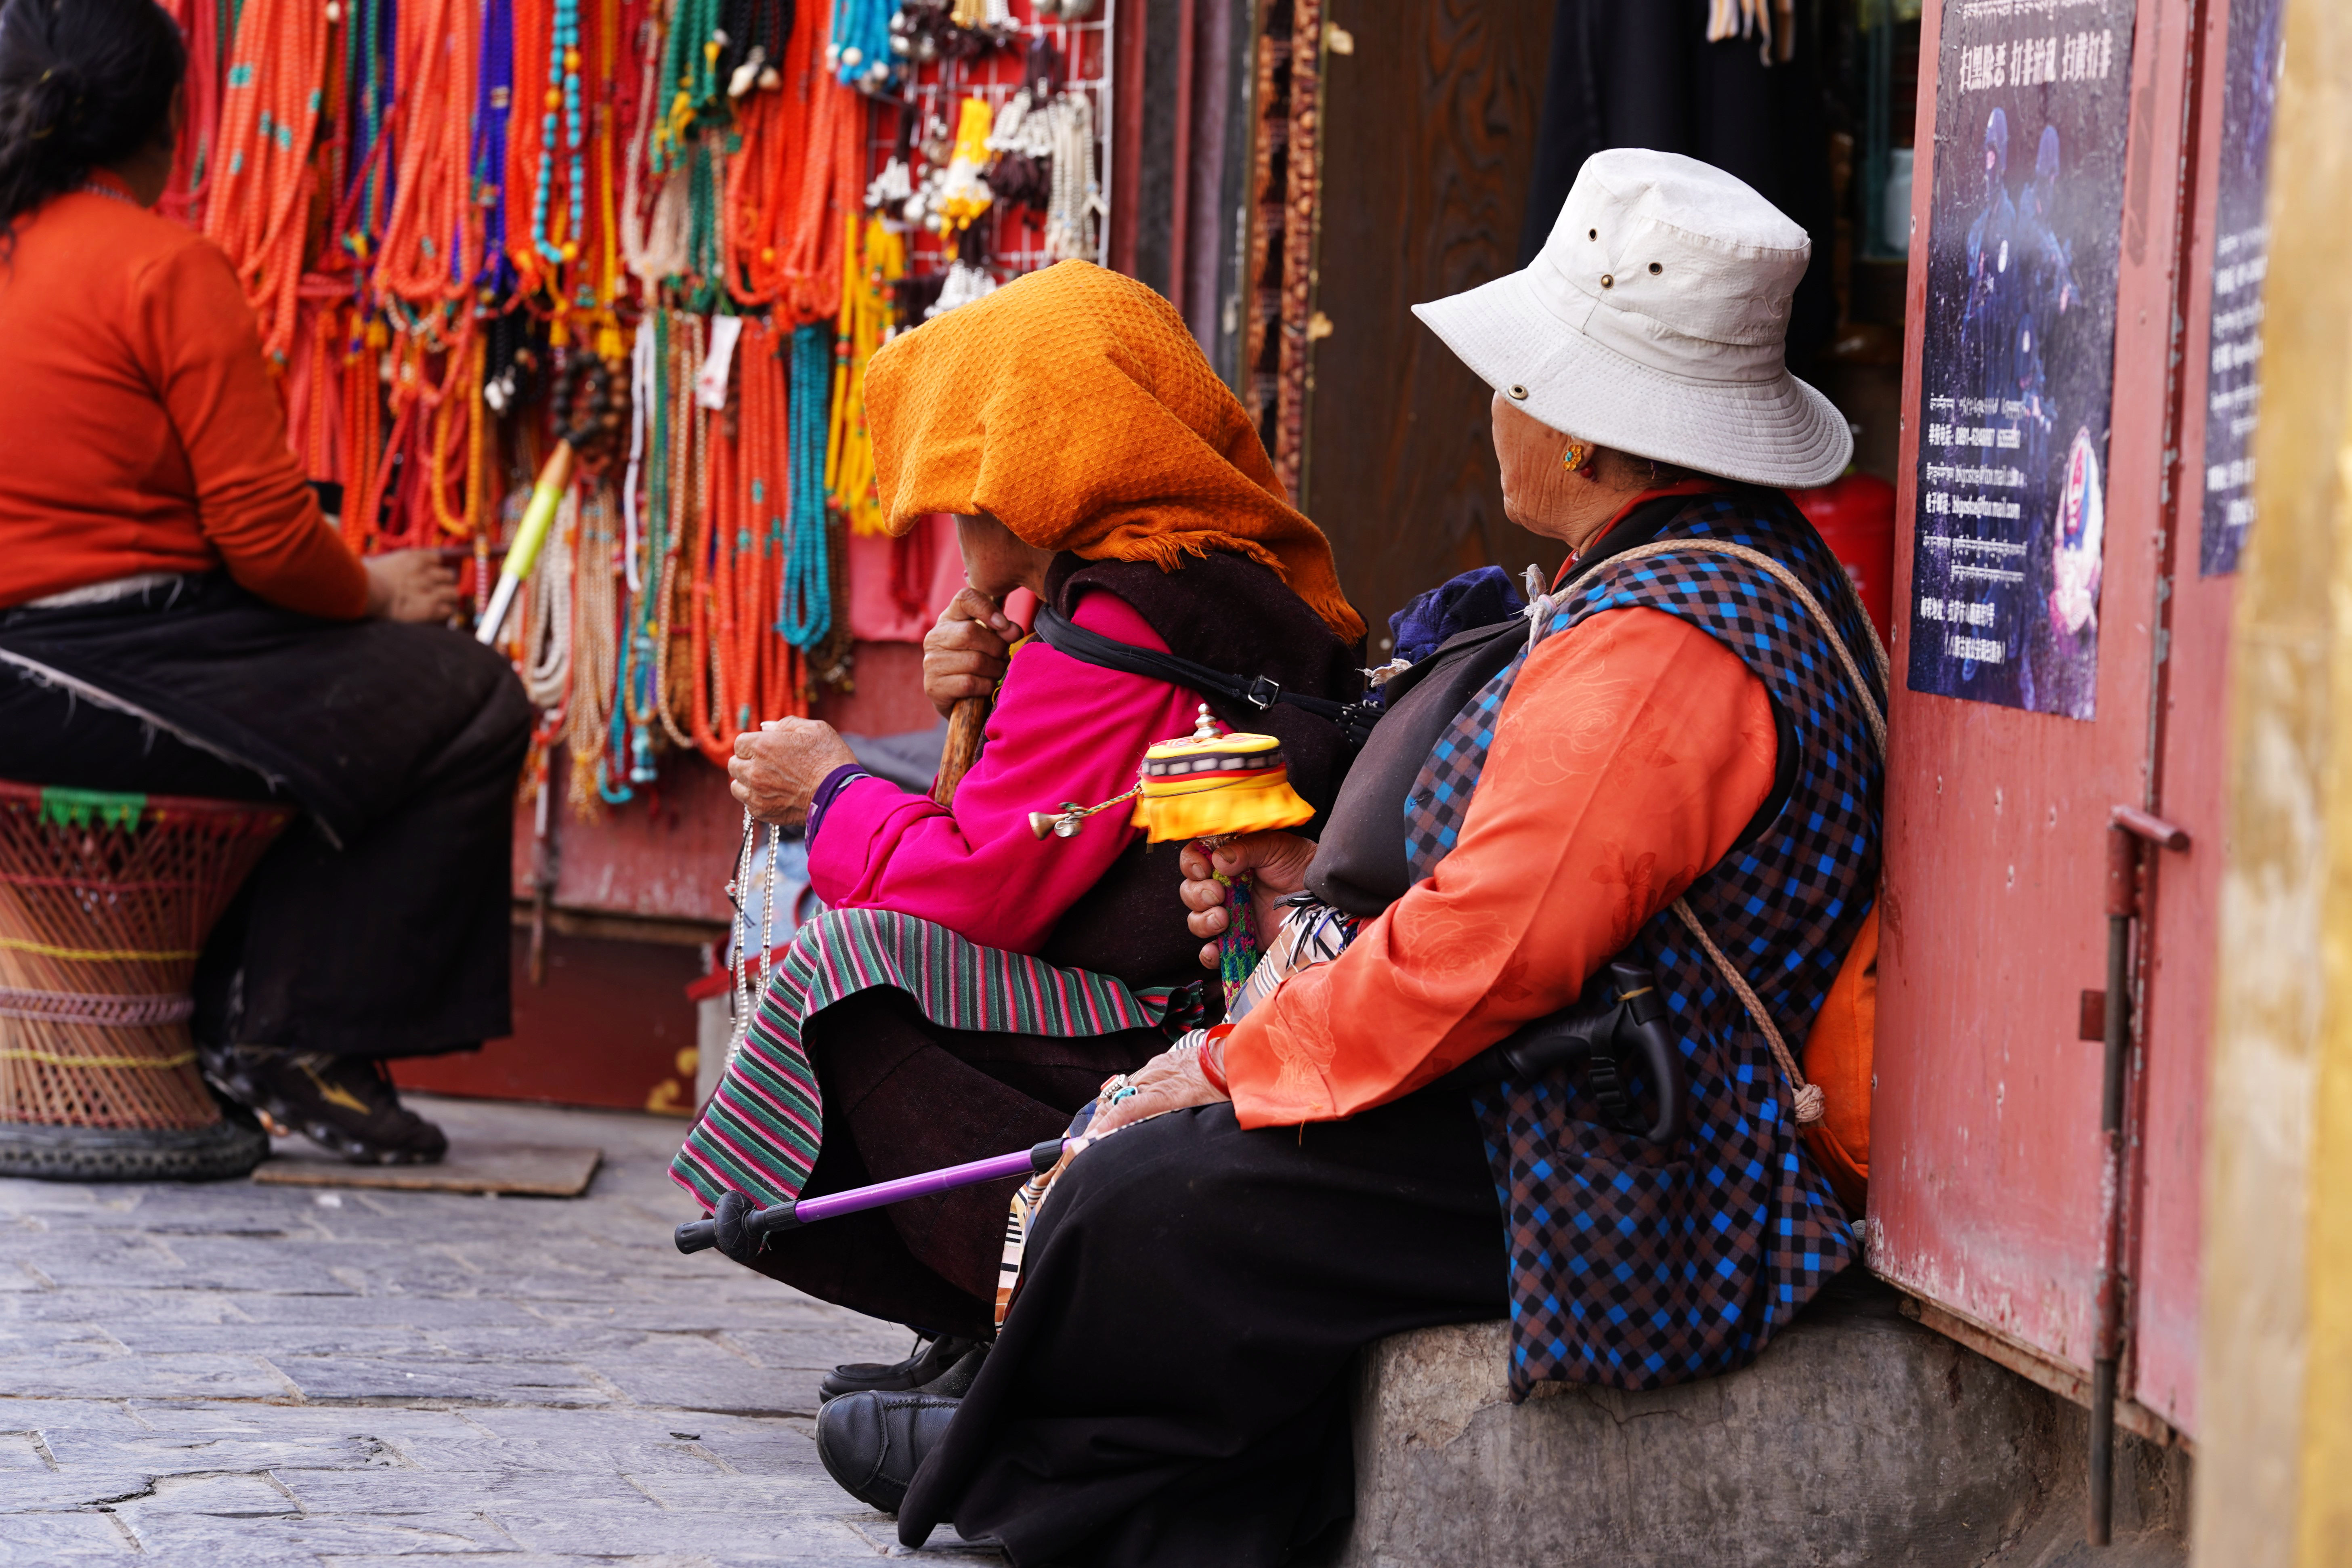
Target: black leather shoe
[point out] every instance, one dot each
(873, 1443)
(956, 1382)
(934, 1355)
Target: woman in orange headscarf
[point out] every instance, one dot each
(1091, 456)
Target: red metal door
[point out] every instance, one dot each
(1987, 1196)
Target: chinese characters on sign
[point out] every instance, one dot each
(2031, 108)
(2233, 389)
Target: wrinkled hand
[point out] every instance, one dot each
(964, 654)
(1279, 861)
(778, 766)
(1168, 1081)
(415, 585)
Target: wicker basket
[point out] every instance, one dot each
(105, 900)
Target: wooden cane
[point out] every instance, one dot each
(965, 723)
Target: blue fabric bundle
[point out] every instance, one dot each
(1478, 598)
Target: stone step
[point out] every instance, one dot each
(1859, 1439)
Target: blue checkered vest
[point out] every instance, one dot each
(1637, 1266)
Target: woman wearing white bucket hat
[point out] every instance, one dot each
(1564, 829)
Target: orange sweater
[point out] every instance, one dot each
(141, 429)
(1629, 753)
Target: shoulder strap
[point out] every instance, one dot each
(1072, 640)
(1806, 1097)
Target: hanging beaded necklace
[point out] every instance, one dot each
(870, 271)
(595, 613)
(368, 55)
(275, 86)
(547, 637)
(710, 607)
(829, 184)
(804, 613)
(563, 99)
(690, 61)
(431, 234)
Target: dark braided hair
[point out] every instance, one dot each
(83, 84)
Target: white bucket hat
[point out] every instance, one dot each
(1655, 321)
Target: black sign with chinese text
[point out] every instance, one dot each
(2018, 369)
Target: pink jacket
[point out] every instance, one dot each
(1062, 731)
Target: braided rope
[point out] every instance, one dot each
(138, 1010)
(1808, 1102)
(1806, 1098)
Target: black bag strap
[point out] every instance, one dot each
(1072, 640)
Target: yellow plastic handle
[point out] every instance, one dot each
(554, 479)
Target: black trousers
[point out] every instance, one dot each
(903, 1095)
(378, 925)
(1171, 1388)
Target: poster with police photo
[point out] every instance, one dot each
(2017, 377)
(2241, 252)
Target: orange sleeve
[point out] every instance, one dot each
(1629, 755)
(252, 504)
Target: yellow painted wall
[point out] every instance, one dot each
(2274, 1453)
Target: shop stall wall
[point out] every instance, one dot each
(1986, 1188)
(1427, 146)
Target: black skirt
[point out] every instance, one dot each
(379, 925)
(1171, 1388)
(904, 1095)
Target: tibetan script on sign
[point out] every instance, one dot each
(2241, 252)
(2017, 381)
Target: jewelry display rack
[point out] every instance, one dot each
(935, 89)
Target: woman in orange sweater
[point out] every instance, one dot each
(177, 617)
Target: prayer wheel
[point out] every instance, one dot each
(105, 901)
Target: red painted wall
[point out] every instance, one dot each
(1985, 1192)
(611, 1027)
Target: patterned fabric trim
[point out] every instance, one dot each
(761, 1132)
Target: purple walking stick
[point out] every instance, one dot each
(697, 1236)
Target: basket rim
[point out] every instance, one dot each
(256, 812)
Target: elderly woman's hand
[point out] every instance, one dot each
(1279, 863)
(1168, 1081)
(964, 654)
(778, 766)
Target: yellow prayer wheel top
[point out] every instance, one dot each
(1211, 785)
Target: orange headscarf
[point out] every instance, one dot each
(1073, 407)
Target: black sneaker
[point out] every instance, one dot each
(346, 1105)
(934, 1357)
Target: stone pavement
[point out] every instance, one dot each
(224, 1373)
